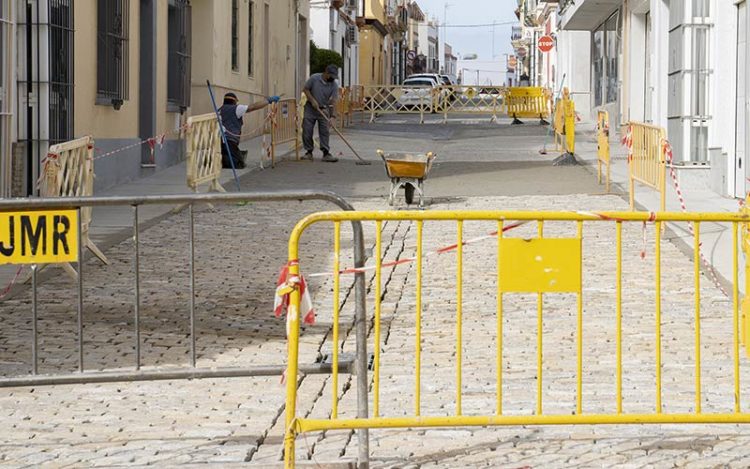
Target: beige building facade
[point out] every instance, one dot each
(130, 73)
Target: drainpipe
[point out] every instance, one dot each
(296, 50)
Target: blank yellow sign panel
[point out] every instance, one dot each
(540, 265)
(39, 237)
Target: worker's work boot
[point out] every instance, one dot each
(329, 158)
(308, 156)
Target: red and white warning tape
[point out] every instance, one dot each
(408, 260)
(673, 174)
(13, 281)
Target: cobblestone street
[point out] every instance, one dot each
(239, 251)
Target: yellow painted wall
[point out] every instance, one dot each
(90, 118)
(375, 9)
(371, 47)
(212, 52)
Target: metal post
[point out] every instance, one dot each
(34, 350)
(80, 290)
(192, 286)
(360, 318)
(137, 311)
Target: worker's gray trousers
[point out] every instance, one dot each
(308, 127)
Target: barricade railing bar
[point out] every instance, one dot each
(68, 172)
(528, 102)
(203, 152)
(541, 265)
(285, 126)
(603, 152)
(174, 371)
(646, 159)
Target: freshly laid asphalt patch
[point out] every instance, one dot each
(447, 179)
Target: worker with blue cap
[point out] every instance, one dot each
(232, 115)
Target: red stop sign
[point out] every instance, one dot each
(546, 43)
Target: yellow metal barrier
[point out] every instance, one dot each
(542, 265)
(357, 100)
(527, 102)
(203, 152)
(399, 100)
(285, 126)
(565, 124)
(603, 157)
(68, 171)
(647, 160)
(472, 99)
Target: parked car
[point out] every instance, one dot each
(417, 91)
(432, 76)
(448, 80)
(421, 92)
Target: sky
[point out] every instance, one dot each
(475, 40)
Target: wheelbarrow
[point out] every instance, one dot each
(409, 171)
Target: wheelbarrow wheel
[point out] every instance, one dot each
(409, 193)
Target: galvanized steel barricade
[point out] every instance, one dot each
(68, 172)
(647, 160)
(527, 102)
(285, 126)
(70, 207)
(550, 262)
(603, 154)
(400, 100)
(203, 152)
(471, 100)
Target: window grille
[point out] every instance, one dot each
(61, 71)
(113, 27)
(250, 38)
(235, 36)
(180, 54)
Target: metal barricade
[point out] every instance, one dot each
(72, 212)
(343, 109)
(527, 102)
(285, 126)
(549, 262)
(357, 100)
(471, 99)
(203, 152)
(68, 172)
(565, 124)
(647, 159)
(603, 155)
(399, 100)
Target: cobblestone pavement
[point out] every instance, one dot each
(228, 421)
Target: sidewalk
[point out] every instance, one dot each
(716, 238)
(110, 225)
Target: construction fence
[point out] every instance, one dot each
(91, 318)
(541, 260)
(647, 159)
(515, 102)
(565, 124)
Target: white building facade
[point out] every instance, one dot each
(334, 27)
(679, 64)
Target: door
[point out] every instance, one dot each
(742, 171)
(648, 96)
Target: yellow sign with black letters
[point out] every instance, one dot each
(39, 237)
